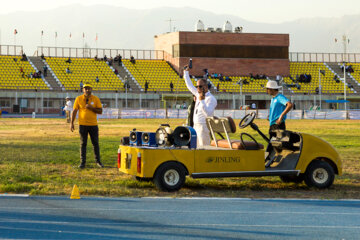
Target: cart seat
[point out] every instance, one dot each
(221, 124)
(236, 144)
(227, 125)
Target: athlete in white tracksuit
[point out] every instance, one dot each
(204, 107)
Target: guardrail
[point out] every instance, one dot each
(113, 113)
(99, 52)
(324, 57)
(11, 50)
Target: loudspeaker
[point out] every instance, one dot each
(163, 136)
(148, 139)
(125, 141)
(135, 138)
(185, 136)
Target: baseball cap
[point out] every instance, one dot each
(87, 85)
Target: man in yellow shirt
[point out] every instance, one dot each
(88, 106)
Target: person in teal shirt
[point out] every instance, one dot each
(279, 106)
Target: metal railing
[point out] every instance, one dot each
(324, 57)
(99, 52)
(12, 50)
(16, 50)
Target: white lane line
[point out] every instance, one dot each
(182, 211)
(93, 224)
(191, 198)
(255, 199)
(60, 232)
(13, 195)
(270, 226)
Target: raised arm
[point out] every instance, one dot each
(189, 84)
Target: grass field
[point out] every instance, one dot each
(40, 157)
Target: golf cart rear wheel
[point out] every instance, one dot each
(319, 174)
(292, 179)
(170, 177)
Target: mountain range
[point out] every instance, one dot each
(122, 28)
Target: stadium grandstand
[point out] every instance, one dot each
(158, 74)
(17, 73)
(84, 70)
(355, 74)
(321, 75)
(154, 79)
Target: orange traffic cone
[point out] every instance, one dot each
(75, 194)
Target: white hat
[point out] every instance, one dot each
(67, 97)
(272, 85)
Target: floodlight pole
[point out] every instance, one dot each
(345, 85)
(242, 98)
(281, 82)
(126, 100)
(320, 88)
(240, 89)
(345, 40)
(170, 20)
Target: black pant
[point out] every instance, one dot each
(275, 126)
(94, 136)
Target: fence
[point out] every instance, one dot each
(324, 57)
(15, 50)
(11, 50)
(112, 113)
(99, 52)
(161, 55)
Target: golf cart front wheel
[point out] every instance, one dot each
(319, 174)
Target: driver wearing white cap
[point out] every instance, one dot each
(279, 106)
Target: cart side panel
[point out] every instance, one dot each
(152, 158)
(128, 160)
(313, 148)
(229, 160)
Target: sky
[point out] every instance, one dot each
(266, 11)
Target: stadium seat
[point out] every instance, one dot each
(158, 74)
(85, 70)
(11, 76)
(328, 84)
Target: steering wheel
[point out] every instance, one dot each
(249, 147)
(247, 120)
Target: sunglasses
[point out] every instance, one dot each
(199, 86)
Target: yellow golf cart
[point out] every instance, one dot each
(293, 156)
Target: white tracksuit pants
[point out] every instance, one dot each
(203, 134)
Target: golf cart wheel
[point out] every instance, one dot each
(319, 174)
(292, 179)
(169, 177)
